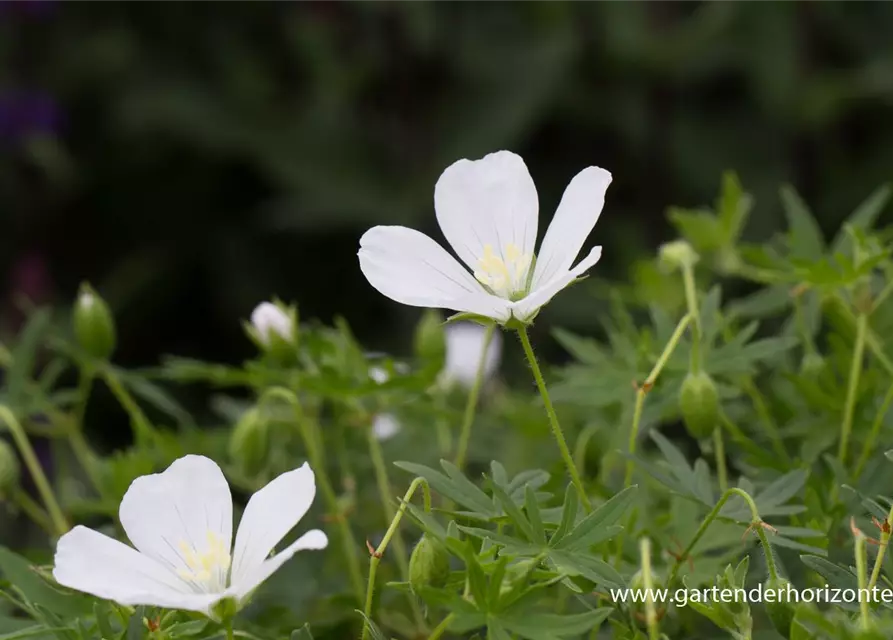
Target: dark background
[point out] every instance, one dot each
(192, 159)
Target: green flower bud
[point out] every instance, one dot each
(676, 255)
(637, 583)
(249, 441)
(94, 325)
(429, 564)
(778, 607)
(699, 403)
(9, 468)
(430, 340)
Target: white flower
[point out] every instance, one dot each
(181, 523)
(464, 347)
(385, 426)
(488, 212)
(267, 319)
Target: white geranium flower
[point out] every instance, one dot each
(181, 523)
(464, 346)
(268, 319)
(385, 426)
(488, 211)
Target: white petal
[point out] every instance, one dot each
(385, 426)
(91, 562)
(574, 219)
(269, 515)
(526, 307)
(464, 346)
(488, 201)
(312, 540)
(409, 267)
(162, 512)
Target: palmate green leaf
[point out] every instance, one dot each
(805, 238)
(677, 474)
(154, 395)
(863, 217)
(34, 589)
(548, 626)
(593, 528)
(455, 486)
(838, 576)
(24, 357)
(36, 632)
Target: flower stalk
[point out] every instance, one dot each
(553, 418)
(391, 533)
(60, 524)
(310, 436)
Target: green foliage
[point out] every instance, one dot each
(792, 464)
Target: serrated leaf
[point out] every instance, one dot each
(806, 239)
(457, 488)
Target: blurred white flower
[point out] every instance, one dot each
(181, 523)
(464, 346)
(385, 426)
(268, 318)
(488, 210)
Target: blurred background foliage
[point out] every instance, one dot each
(192, 159)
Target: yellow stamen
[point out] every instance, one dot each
(504, 274)
(207, 567)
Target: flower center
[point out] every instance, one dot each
(504, 274)
(206, 569)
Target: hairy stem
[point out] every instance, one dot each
(391, 533)
(553, 419)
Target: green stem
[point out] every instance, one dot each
(33, 510)
(553, 418)
(391, 533)
(852, 387)
(60, 524)
(471, 403)
(76, 440)
(385, 495)
(143, 431)
(440, 629)
(720, 452)
(861, 574)
(868, 448)
(650, 611)
(312, 442)
(643, 389)
(691, 299)
(708, 520)
(229, 630)
(882, 550)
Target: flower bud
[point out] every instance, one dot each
(94, 326)
(699, 403)
(779, 608)
(9, 467)
(274, 329)
(249, 441)
(429, 564)
(637, 584)
(430, 341)
(676, 255)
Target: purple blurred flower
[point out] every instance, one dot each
(39, 8)
(26, 113)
